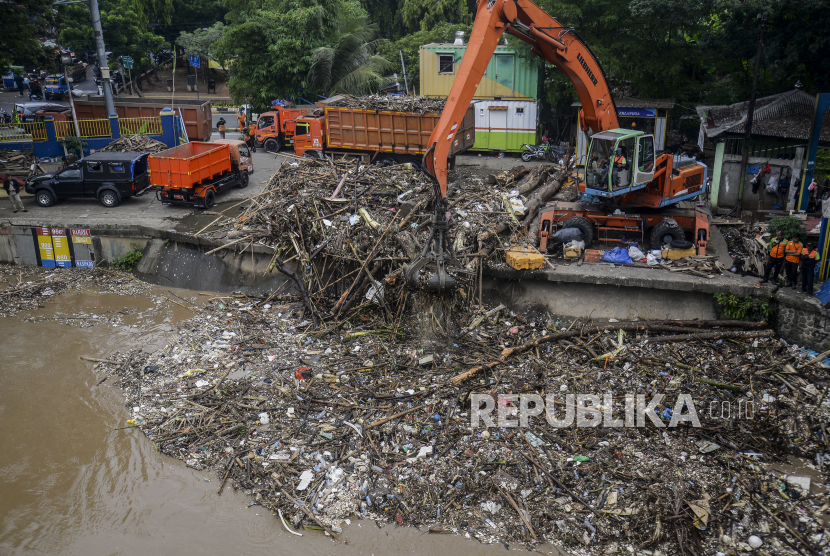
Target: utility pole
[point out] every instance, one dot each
(403, 66)
(71, 101)
(750, 113)
(102, 55)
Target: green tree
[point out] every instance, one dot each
(350, 65)
(199, 42)
(126, 32)
(426, 14)
(24, 22)
(268, 45)
(187, 16)
(796, 43)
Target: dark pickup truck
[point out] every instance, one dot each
(108, 177)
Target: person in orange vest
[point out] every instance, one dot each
(792, 256)
(809, 259)
(241, 119)
(775, 260)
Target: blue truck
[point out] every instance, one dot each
(56, 87)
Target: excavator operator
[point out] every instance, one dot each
(620, 164)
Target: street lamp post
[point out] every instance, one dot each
(64, 59)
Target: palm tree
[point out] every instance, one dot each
(351, 65)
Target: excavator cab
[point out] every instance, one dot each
(619, 161)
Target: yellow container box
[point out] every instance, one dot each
(524, 258)
(674, 254)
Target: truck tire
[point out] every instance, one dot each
(210, 199)
(387, 162)
(243, 179)
(681, 244)
(583, 225)
(272, 144)
(109, 198)
(666, 232)
(44, 198)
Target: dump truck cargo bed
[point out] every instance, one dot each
(393, 132)
(197, 116)
(189, 165)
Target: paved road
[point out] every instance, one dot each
(145, 210)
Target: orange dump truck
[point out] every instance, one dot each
(194, 173)
(375, 135)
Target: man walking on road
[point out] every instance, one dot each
(775, 260)
(220, 127)
(793, 257)
(18, 80)
(13, 187)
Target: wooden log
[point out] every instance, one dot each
(711, 336)
(395, 416)
(540, 197)
(534, 179)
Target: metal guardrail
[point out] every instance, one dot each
(149, 125)
(89, 128)
(95, 128)
(29, 131)
(62, 129)
(36, 131)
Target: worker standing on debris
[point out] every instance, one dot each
(220, 126)
(13, 187)
(793, 257)
(809, 259)
(777, 246)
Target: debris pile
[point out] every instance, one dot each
(135, 143)
(19, 163)
(320, 428)
(418, 105)
(27, 288)
(353, 228)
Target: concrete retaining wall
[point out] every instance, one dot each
(591, 291)
(600, 301)
(168, 258)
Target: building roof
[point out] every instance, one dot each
(785, 116)
(628, 102)
(113, 156)
(449, 45)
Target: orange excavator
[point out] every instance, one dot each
(621, 169)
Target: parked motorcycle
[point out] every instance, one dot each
(5, 116)
(545, 150)
(35, 93)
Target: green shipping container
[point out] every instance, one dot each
(509, 76)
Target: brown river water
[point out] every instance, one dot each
(70, 483)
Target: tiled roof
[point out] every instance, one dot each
(785, 115)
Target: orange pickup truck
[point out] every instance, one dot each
(194, 173)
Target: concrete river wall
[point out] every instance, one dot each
(596, 291)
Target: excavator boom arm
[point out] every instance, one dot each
(548, 39)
